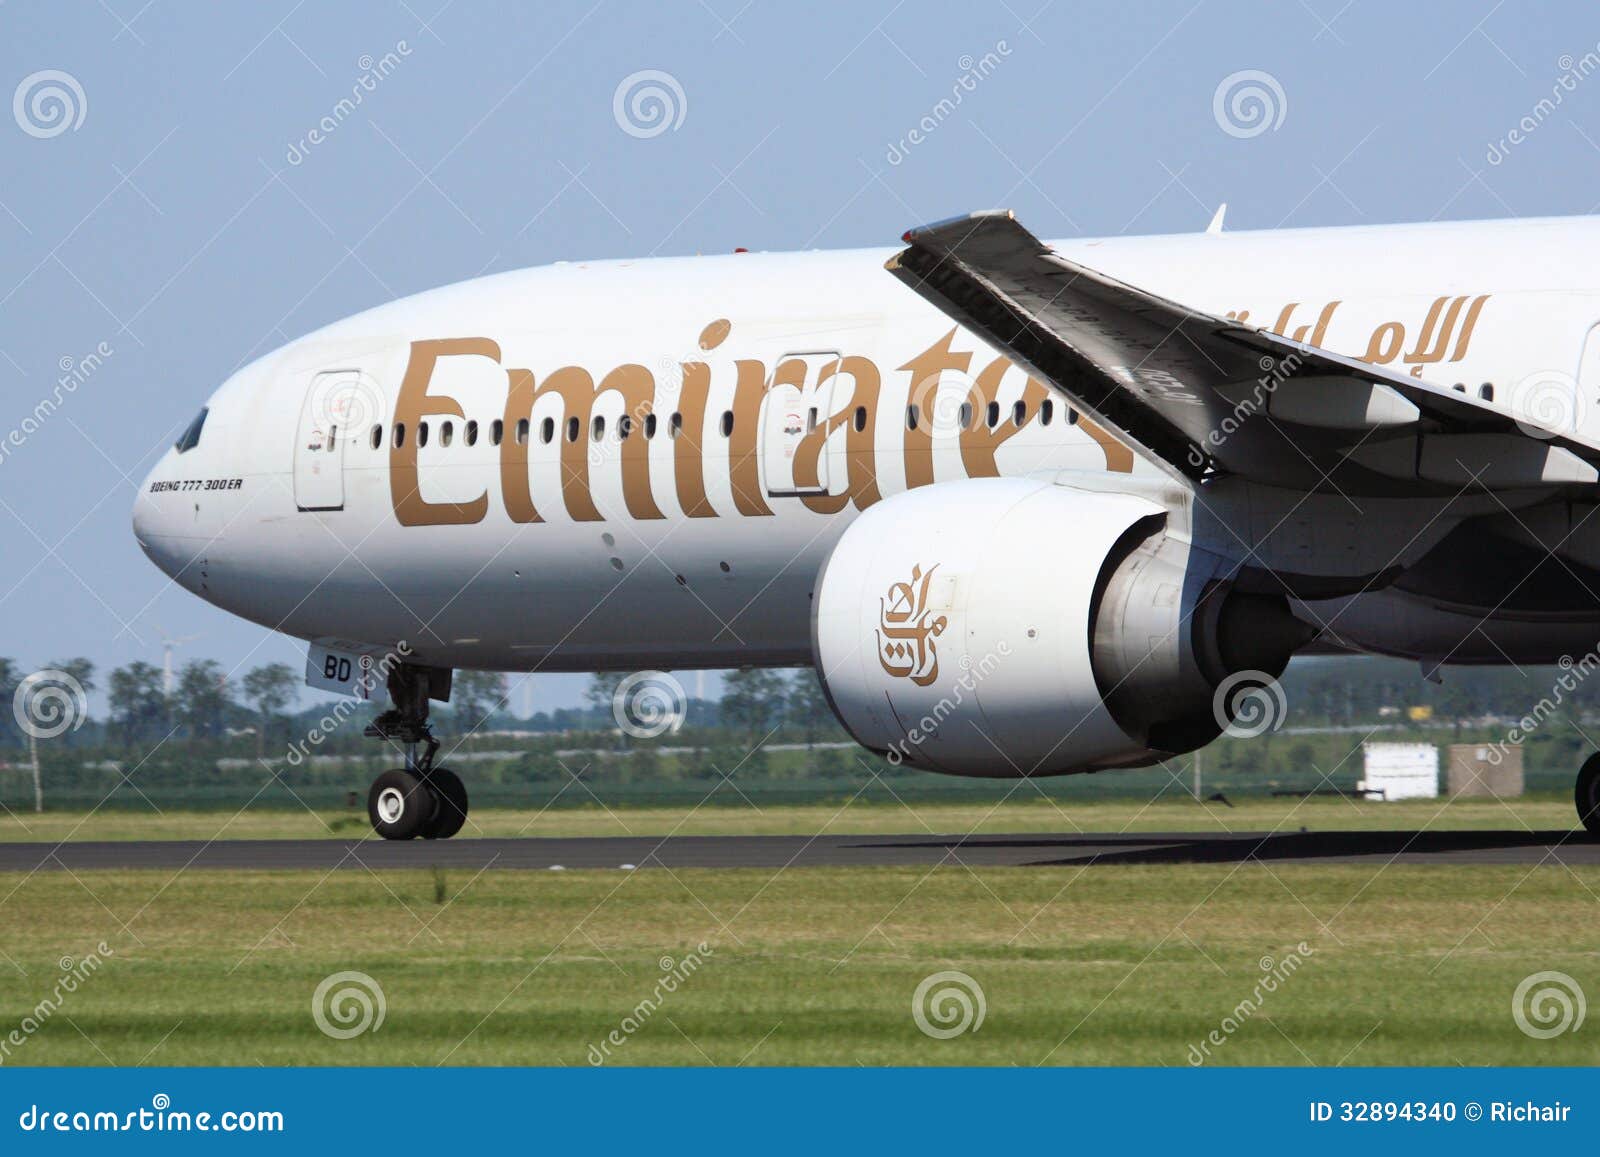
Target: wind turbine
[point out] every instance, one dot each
(168, 645)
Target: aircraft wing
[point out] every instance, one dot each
(1204, 395)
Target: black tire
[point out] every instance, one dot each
(1587, 794)
(451, 812)
(399, 804)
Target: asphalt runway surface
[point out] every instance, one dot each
(1008, 850)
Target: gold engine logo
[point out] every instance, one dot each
(908, 629)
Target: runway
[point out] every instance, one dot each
(625, 852)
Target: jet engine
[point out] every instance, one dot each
(1010, 627)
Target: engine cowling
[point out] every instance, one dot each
(1009, 627)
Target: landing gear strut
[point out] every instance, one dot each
(1587, 795)
(418, 799)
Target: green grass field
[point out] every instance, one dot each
(1077, 965)
(1126, 965)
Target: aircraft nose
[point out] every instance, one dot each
(156, 527)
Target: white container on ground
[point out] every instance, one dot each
(1400, 770)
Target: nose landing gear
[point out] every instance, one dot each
(419, 799)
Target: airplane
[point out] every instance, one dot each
(1029, 508)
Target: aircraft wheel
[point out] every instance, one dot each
(399, 805)
(1587, 795)
(452, 810)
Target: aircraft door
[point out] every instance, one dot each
(327, 424)
(796, 406)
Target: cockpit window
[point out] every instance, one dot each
(190, 438)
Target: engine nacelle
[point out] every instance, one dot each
(1009, 627)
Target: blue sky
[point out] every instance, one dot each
(181, 218)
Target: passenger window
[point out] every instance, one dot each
(422, 434)
(861, 418)
(649, 425)
(1047, 411)
(447, 433)
(522, 431)
(190, 438)
(811, 420)
(497, 430)
(1019, 413)
(966, 415)
(994, 414)
(624, 427)
(597, 429)
(572, 429)
(911, 417)
(377, 437)
(399, 435)
(547, 431)
(675, 426)
(727, 423)
(1486, 391)
(333, 438)
(472, 433)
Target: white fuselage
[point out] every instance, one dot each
(643, 463)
